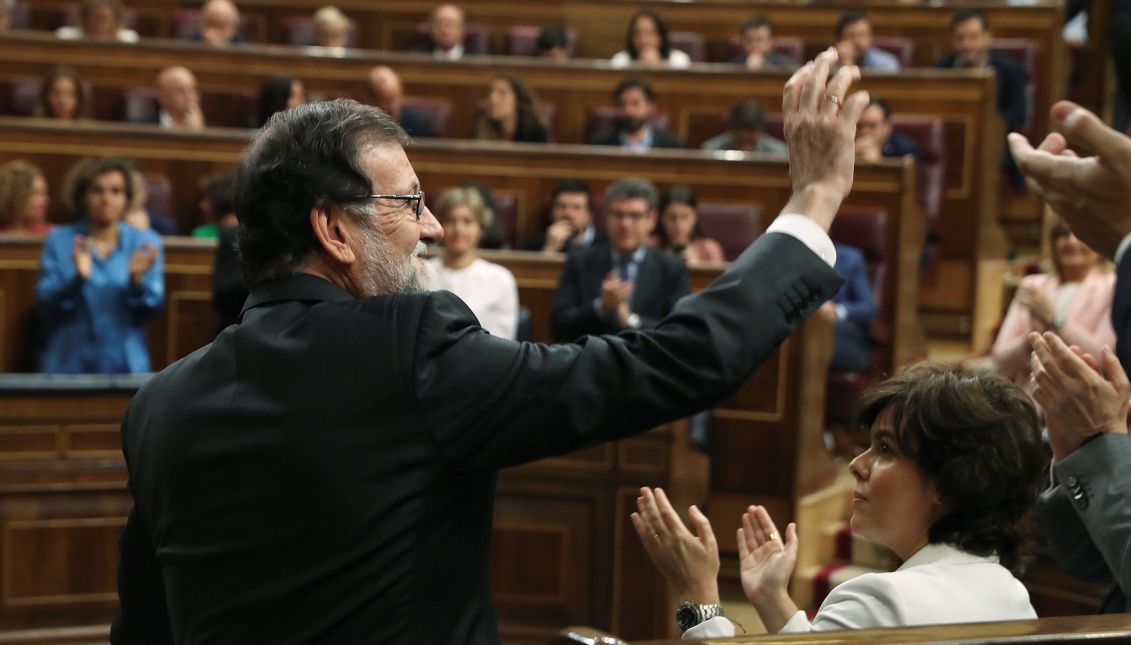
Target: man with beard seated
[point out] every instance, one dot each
(636, 105)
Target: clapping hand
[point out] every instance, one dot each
(614, 293)
(1038, 304)
(689, 562)
(1092, 194)
(1081, 396)
(766, 562)
(141, 260)
(81, 252)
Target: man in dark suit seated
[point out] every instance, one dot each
(970, 31)
(386, 92)
(757, 36)
(324, 471)
(875, 137)
(627, 284)
(571, 227)
(446, 34)
(852, 311)
(636, 105)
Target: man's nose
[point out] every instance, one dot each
(430, 230)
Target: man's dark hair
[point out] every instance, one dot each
(747, 114)
(632, 188)
(552, 36)
(883, 105)
(303, 157)
(757, 22)
(78, 179)
(573, 186)
(637, 83)
(848, 18)
(962, 15)
(977, 438)
(217, 190)
(661, 29)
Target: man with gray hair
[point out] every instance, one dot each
(324, 471)
(627, 284)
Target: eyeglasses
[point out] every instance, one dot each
(418, 197)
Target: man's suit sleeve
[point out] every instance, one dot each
(1068, 538)
(1096, 482)
(676, 284)
(1014, 103)
(491, 403)
(143, 616)
(573, 315)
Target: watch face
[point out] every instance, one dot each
(687, 616)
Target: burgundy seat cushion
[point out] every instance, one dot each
(689, 43)
(522, 40)
(734, 226)
(435, 110)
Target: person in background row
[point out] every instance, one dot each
(633, 130)
(62, 96)
(446, 34)
(99, 279)
(138, 216)
(553, 43)
(571, 221)
(875, 137)
(856, 47)
(681, 231)
(216, 205)
(179, 100)
(757, 36)
(511, 115)
(278, 93)
(385, 91)
(626, 284)
(6, 9)
(331, 29)
(647, 43)
(851, 310)
(1073, 301)
(219, 23)
(23, 198)
(488, 289)
(745, 131)
(99, 19)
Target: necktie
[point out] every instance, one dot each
(622, 268)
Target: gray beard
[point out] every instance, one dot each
(386, 272)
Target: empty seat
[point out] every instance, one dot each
(435, 110)
(734, 226)
(930, 170)
(690, 43)
(18, 96)
(522, 40)
(139, 105)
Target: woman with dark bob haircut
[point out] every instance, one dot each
(647, 43)
(947, 484)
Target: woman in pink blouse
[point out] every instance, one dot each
(1074, 302)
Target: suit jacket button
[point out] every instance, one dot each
(1072, 481)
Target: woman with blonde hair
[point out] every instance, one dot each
(488, 289)
(23, 198)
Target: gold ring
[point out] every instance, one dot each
(656, 536)
(832, 98)
(774, 535)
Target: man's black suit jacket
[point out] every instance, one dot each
(1121, 312)
(538, 241)
(661, 280)
(660, 139)
(324, 471)
(416, 124)
(1012, 101)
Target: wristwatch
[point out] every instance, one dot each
(689, 614)
(633, 321)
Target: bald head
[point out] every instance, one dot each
(447, 26)
(176, 92)
(219, 20)
(385, 90)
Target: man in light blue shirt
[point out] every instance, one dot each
(854, 44)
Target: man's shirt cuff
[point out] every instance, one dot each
(808, 232)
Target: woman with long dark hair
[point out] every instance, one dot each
(511, 115)
(647, 43)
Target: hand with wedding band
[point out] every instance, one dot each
(820, 130)
(766, 563)
(1092, 194)
(689, 562)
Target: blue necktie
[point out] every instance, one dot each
(622, 268)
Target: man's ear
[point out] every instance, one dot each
(335, 232)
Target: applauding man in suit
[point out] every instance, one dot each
(625, 285)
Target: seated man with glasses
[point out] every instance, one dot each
(625, 285)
